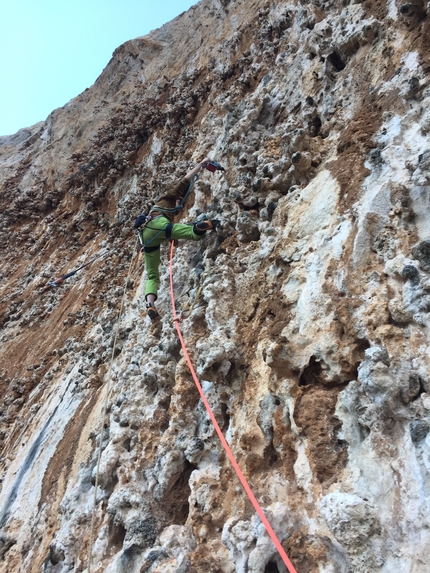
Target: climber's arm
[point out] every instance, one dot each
(181, 187)
(197, 168)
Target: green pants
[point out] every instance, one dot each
(155, 230)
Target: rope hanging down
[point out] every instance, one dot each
(103, 417)
(227, 449)
(58, 281)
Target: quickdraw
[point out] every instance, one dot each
(57, 282)
(213, 166)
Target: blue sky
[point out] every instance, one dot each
(51, 50)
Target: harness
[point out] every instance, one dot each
(168, 228)
(143, 220)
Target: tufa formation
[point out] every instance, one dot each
(311, 301)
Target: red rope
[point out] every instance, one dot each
(230, 455)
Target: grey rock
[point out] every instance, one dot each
(421, 252)
(194, 449)
(353, 521)
(141, 533)
(419, 430)
(411, 273)
(375, 156)
(56, 554)
(247, 227)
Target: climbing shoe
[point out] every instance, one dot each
(152, 311)
(201, 227)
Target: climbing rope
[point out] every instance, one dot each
(58, 281)
(227, 449)
(103, 417)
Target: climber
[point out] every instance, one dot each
(158, 226)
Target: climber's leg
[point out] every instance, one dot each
(195, 232)
(181, 231)
(152, 262)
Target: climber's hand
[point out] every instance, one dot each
(197, 168)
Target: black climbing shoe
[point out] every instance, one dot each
(152, 311)
(202, 226)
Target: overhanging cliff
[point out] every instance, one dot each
(311, 336)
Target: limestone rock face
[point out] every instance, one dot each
(311, 301)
